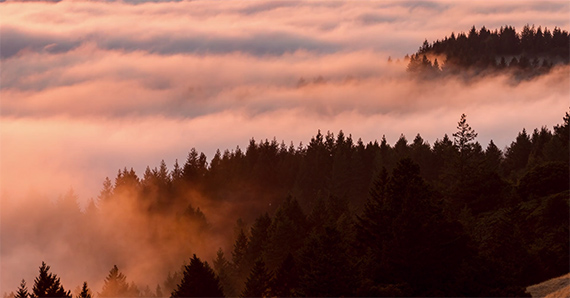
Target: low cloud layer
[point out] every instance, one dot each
(91, 87)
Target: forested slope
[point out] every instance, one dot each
(339, 217)
(525, 54)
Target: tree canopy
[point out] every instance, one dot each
(199, 280)
(343, 218)
(527, 53)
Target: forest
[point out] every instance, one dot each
(525, 54)
(343, 218)
(337, 216)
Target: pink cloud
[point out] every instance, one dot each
(91, 87)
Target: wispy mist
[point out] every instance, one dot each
(91, 87)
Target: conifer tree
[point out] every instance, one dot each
(239, 260)
(133, 290)
(464, 136)
(48, 285)
(326, 271)
(258, 239)
(85, 292)
(107, 191)
(436, 65)
(370, 225)
(462, 177)
(91, 210)
(176, 172)
(517, 154)
(115, 284)
(286, 278)
(258, 281)
(199, 281)
(318, 216)
(22, 290)
(172, 280)
(286, 233)
(147, 292)
(401, 148)
(224, 271)
(159, 291)
(493, 157)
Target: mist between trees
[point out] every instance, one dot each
(524, 55)
(336, 217)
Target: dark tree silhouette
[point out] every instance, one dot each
(224, 270)
(48, 285)
(371, 225)
(464, 135)
(286, 278)
(258, 281)
(22, 291)
(326, 270)
(258, 238)
(85, 292)
(286, 233)
(452, 219)
(411, 245)
(240, 264)
(483, 52)
(199, 280)
(517, 155)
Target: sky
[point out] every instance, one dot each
(88, 88)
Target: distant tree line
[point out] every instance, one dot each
(344, 218)
(530, 52)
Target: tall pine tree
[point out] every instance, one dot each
(258, 281)
(85, 292)
(199, 281)
(286, 279)
(224, 270)
(48, 285)
(22, 290)
(115, 284)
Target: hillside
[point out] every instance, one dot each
(558, 287)
(409, 219)
(530, 52)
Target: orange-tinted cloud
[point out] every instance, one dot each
(91, 87)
